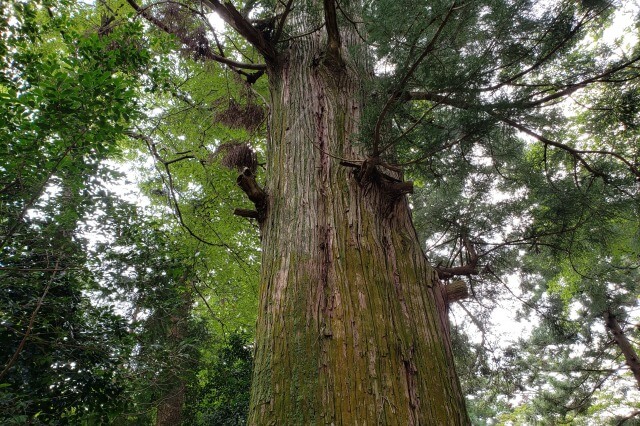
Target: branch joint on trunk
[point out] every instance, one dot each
(247, 182)
(369, 175)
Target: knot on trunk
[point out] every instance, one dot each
(247, 182)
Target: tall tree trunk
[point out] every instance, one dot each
(352, 323)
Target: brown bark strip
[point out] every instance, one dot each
(623, 343)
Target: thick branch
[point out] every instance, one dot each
(281, 22)
(334, 58)
(192, 44)
(251, 214)
(398, 188)
(630, 355)
(471, 268)
(247, 182)
(466, 270)
(456, 291)
(234, 18)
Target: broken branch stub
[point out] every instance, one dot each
(455, 291)
(247, 182)
(390, 188)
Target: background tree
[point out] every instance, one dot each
(62, 107)
(100, 320)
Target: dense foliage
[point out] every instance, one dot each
(105, 306)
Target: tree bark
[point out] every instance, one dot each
(630, 355)
(352, 325)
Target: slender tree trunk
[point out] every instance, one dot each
(352, 323)
(171, 402)
(630, 355)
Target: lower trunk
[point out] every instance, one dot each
(352, 323)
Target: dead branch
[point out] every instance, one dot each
(251, 214)
(471, 268)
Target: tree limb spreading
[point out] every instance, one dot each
(193, 45)
(575, 153)
(397, 95)
(229, 14)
